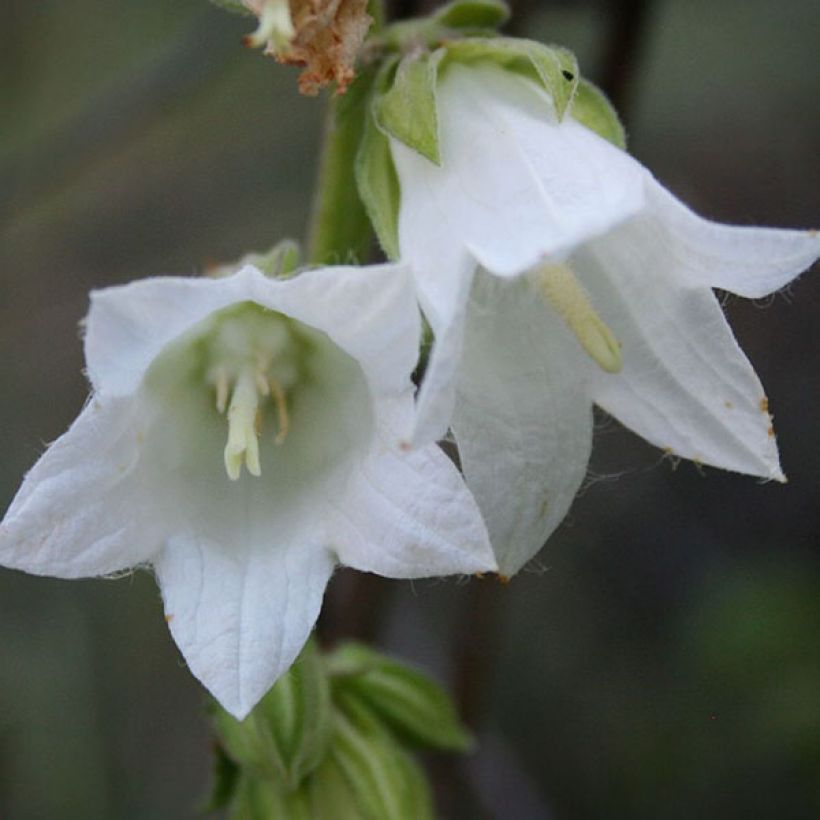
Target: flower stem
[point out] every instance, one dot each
(340, 231)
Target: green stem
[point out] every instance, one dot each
(340, 231)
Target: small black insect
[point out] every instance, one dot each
(568, 75)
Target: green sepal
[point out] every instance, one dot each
(553, 67)
(407, 110)
(386, 782)
(279, 262)
(287, 734)
(592, 109)
(236, 6)
(415, 707)
(376, 178)
(473, 14)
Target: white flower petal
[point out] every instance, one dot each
(82, 509)
(364, 310)
(514, 185)
(409, 515)
(751, 262)
(241, 611)
(523, 419)
(685, 386)
(446, 316)
(369, 312)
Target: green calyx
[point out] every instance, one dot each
(335, 737)
(592, 109)
(457, 19)
(553, 67)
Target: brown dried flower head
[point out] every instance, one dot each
(324, 36)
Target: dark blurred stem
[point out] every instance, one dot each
(622, 50)
(475, 649)
(354, 607)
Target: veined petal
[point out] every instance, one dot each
(515, 186)
(523, 418)
(751, 262)
(241, 611)
(685, 385)
(82, 509)
(409, 515)
(368, 312)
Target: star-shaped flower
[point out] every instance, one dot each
(242, 439)
(556, 272)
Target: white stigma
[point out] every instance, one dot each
(243, 442)
(564, 292)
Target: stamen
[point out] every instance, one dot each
(275, 25)
(243, 444)
(221, 390)
(262, 383)
(567, 296)
(280, 400)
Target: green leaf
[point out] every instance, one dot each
(256, 800)
(592, 109)
(553, 67)
(473, 14)
(376, 179)
(414, 706)
(225, 780)
(407, 111)
(330, 793)
(386, 783)
(287, 734)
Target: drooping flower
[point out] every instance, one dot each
(556, 272)
(242, 438)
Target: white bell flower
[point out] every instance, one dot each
(556, 272)
(242, 438)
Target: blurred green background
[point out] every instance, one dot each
(659, 661)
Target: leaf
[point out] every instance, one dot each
(414, 706)
(376, 179)
(386, 782)
(591, 108)
(407, 110)
(225, 780)
(553, 67)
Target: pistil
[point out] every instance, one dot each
(243, 441)
(561, 288)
